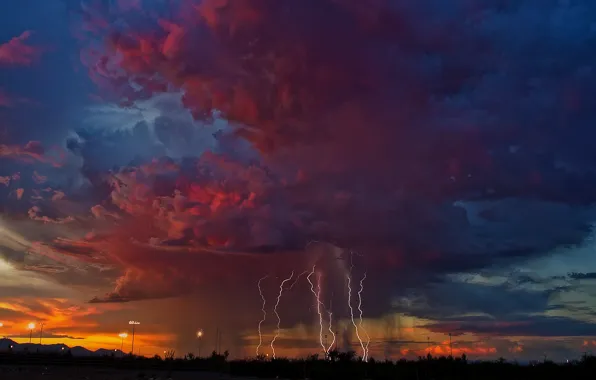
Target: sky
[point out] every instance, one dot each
(426, 167)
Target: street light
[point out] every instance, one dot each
(200, 336)
(122, 336)
(31, 327)
(133, 324)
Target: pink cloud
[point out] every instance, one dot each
(38, 178)
(17, 52)
(33, 151)
(34, 214)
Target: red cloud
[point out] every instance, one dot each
(17, 52)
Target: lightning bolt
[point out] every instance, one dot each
(349, 278)
(281, 290)
(317, 297)
(365, 348)
(297, 279)
(264, 312)
(330, 313)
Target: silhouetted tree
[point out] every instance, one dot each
(169, 354)
(347, 356)
(333, 355)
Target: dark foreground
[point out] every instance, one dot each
(49, 372)
(65, 367)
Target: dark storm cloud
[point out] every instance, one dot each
(393, 114)
(48, 335)
(524, 326)
(583, 276)
(449, 299)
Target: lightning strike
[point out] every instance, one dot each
(264, 312)
(317, 295)
(281, 290)
(330, 313)
(365, 348)
(349, 278)
(297, 279)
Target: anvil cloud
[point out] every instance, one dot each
(447, 143)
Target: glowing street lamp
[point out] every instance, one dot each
(133, 324)
(200, 336)
(31, 327)
(122, 336)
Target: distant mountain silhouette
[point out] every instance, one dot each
(9, 344)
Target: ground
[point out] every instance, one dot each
(86, 373)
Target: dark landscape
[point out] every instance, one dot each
(339, 365)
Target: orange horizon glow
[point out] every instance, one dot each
(82, 326)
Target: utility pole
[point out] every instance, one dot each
(40, 332)
(450, 347)
(133, 323)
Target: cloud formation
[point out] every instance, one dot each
(227, 136)
(17, 52)
(366, 129)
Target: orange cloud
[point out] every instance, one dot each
(56, 313)
(17, 52)
(75, 325)
(443, 349)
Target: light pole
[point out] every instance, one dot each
(31, 327)
(200, 337)
(40, 332)
(122, 336)
(133, 323)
